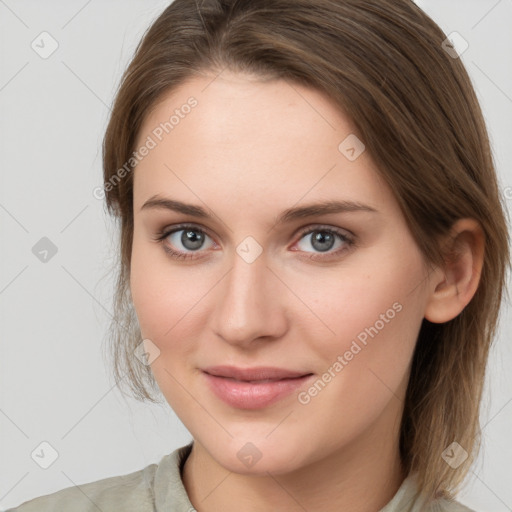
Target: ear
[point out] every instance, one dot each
(453, 285)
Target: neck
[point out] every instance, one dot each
(362, 477)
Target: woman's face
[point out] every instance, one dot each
(337, 296)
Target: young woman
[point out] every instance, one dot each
(313, 255)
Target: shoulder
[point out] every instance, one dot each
(409, 499)
(131, 492)
(157, 487)
(445, 505)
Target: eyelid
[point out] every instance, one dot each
(166, 231)
(325, 227)
(346, 235)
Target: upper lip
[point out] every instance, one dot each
(255, 373)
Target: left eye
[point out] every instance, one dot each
(323, 239)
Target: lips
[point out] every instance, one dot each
(253, 388)
(255, 374)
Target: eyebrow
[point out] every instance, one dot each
(299, 212)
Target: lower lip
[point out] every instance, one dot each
(252, 395)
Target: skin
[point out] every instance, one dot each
(257, 148)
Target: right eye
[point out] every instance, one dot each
(186, 238)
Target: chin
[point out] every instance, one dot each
(257, 457)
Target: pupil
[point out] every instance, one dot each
(325, 239)
(192, 239)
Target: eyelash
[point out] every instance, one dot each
(347, 240)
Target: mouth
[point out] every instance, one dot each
(255, 374)
(254, 393)
(261, 381)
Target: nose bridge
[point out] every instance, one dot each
(248, 306)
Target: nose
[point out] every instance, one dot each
(250, 304)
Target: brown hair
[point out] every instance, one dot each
(382, 62)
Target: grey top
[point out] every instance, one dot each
(159, 488)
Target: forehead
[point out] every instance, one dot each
(267, 141)
(236, 105)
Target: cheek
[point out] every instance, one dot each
(164, 303)
(365, 374)
(372, 317)
(364, 368)
(167, 299)
(375, 296)
(150, 287)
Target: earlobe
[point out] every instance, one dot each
(454, 285)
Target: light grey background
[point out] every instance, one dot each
(54, 385)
